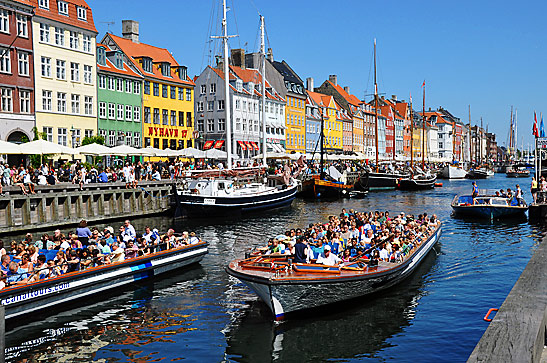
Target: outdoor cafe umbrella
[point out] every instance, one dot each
(9, 148)
(42, 147)
(217, 154)
(128, 150)
(191, 152)
(273, 155)
(94, 150)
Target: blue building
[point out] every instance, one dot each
(313, 125)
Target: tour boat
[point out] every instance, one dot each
(515, 172)
(288, 287)
(488, 206)
(27, 298)
(453, 172)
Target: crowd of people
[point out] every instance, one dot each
(375, 236)
(26, 261)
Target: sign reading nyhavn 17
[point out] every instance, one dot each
(166, 132)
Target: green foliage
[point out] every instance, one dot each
(93, 140)
(37, 160)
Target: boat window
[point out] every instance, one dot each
(221, 186)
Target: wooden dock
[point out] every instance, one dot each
(66, 204)
(517, 332)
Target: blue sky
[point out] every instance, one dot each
(487, 54)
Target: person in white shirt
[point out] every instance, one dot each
(118, 253)
(42, 179)
(328, 258)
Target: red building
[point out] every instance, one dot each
(387, 111)
(16, 71)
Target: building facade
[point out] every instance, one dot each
(16, 71)
(313, 126)
(65, 70)
(167, 91)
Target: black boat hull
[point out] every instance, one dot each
(378, 181)
(417, 184)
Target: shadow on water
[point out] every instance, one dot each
(358, 328)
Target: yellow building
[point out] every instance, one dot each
(332, 121)
(168, 107)
(65, 72)
(295, 114)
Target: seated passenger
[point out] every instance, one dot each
(73, 262)
(60, 260)
(328, 258)
(132, 250)
(300, 251)
(117, 254)
(384, 254)
(13, 276)
(346, 257)
(85, 259)
(193, 239)
(4, 263)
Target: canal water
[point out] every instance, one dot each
(202, 314)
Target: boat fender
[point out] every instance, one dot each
(438, 184)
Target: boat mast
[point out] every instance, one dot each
(423, 130)
(470, 139)
(321, 173)
(263, 51)
(480, 143)
(411, 135)
(227, 87)
(515, 134)
(376, 107)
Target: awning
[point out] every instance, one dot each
(278, 148)
(248, 144)
(219, 144)
(270, 147)
(208, 144)
(255, 146)
(242, 145)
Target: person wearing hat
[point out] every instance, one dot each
(328, 258)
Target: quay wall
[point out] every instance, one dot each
(65, 204)
(517, 332)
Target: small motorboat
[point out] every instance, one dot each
(488, 206)
(478, 174)
(453, 172)
(418, 182)
(517, 173)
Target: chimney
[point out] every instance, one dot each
(383, 98)
(252, 60)
(309, 84)
(269, 55)
(394, 97)
(238, 58)
(333, 79)
(130, 30)
(347, 89)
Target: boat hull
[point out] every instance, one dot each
(317, 188)
(378, 181)
(417, 184)
(489, 211)
(25, 299)
(452, 172)
(198, 206)
(290, 296)
(514, 174)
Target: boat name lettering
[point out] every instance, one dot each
(209, 201)
(36, 293)
(542, 142)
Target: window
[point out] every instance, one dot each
(44, 33)
(24, 101)
(75, 72)
(61, 71)
(44, 4)
(119, 85)
(4, 21)
(173, 118)
(82, 13)
(120, 112)
(181, 94)
(165, 143)
(5, 61)
(63, 7)
(146, 87)
(7, 100)
(188, 119)
(111, 138)
(22, 59)
(102, 81)
(203, 89)
(157, 116)
(118, 60)
(61, 102)
(46, 100)
(111, 111)
(128, 113)
(200, 106)
(165, 117)
(222, 124)
(164, 91)
(238, 124)
(59, 36)
(48, 131)
(137, 113)
(213, 87)
(136, 139)
(62, 136)
(147, 64)
(147, 115)
(210, 105)
(221, 105)
(166, 69)
(181, 118)
(22, 26)
(75, 104)
(74, 40)
(111, 84)
(200, 125)
(88, 133)
(188, 94)
(238, 104)
(87, 43)
(156, 89)
(102, 109)
(87, 74)
(137, 87)
(128, 86)
(173, 92)
(88, 105)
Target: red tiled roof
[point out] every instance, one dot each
(348, 97)
(138, 50)
(109, 67)
(71, 19)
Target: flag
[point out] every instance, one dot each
(541, 129)
(423, 84)
(535, 128)
(410, 97)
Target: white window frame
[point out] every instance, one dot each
(60, 69)
(88, 105)
(62, 136)
(137, 87)
(22, 25)
(6, 95)
(48, 131)
(4, 21)
(188, 94)
(112, 111)
(43, 4)
(137, 113)
(44, 33)
(24, 101)
(59, 36)
(102, 81)
(128, 85)
(46, 67)
(74, 40)
(88, 74)
(5, 60)
(86, 43)
(128, 112)
(75, 72)
(82, 13)
(61, 102)
(102, 109)
(46, 100)
(75, 104)
(62, 7)
(23, 63)
(119, 115)
(111, 83)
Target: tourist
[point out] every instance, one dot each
(128, 232)
(328, 258)
(73, 262)
(83, 232)
(4, 263)
(85, 259)
(534, 188)
(132, 250)
(193, 238)
(475, 192)
(518, 194)
(117, 254)
(300, 251)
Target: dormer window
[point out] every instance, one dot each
(183, 72)
(239, 85)
(43, 4)
(101, 56)
(63, 7)
(119, 60)
(82, 13)
(147, 64)
(166, 69)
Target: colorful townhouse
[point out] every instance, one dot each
(119, 98)
(387, 112)
(65, 70)
(167, 91)
(313, 121)
(16, 71)
(332, 123)
(369, 131)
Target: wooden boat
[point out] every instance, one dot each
(288, 288)
(370, 180)
(453, 172)
(488, 206)
(418, 182)
(43, 294)
(315, 187)
(517, 173)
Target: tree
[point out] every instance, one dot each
(93, 140)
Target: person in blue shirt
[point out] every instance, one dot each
(102, 177)
(475, 192)
(4, 265)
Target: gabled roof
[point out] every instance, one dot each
(71, 19)
(351, 99)
(110, 67)
(158, 55)
(287, 72)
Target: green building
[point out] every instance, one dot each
(119, 98)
